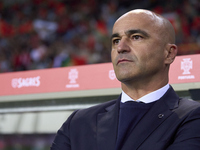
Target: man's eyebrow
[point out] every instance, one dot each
(115, 35)
(130, 32)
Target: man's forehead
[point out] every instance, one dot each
(122, 26)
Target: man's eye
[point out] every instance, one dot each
(116, 41)
(136, 37)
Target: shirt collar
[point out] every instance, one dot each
(151, 97)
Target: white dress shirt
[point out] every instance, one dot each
(148, 98)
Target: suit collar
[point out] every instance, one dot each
(170, 98)
(107, 126)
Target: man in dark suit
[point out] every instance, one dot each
(148, 115)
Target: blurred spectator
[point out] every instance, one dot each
(38, 34)
(46, 29)
(4, 64)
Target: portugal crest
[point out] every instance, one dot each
(186, 65)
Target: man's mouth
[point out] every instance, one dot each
(123, 60)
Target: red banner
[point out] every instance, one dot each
(86, 77)
(98, 76)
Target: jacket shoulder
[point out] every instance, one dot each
(187, 106)
(188, 103)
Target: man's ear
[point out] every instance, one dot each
(171, 52)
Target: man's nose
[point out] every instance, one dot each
(123, 46)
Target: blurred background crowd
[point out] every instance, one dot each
(38, 34)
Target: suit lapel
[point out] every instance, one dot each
(107, 124)
(151, 121)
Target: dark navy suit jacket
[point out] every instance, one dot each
(172, 123)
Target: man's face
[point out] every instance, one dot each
(137, 47)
